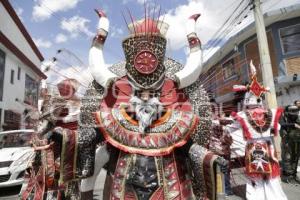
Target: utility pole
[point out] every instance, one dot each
(264, 54)
(266, 67)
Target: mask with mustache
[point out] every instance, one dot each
(146, 111)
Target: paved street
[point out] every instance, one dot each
(292, 191)
(238, 184)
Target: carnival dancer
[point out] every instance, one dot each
(150, 124)
(58, 122)
(220, 142)
(259, 127)
(290, 134)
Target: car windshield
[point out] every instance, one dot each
(19, 139)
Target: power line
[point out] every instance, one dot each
(227, 20)
(229, 24)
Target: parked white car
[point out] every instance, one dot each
(15, 154)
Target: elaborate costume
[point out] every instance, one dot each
(259, 125)
(150, 119)
(151, 126)
(290, 134)
(220, 142)
(56, 135)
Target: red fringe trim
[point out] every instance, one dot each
(242, 122)
(146, 152)
(276, 120)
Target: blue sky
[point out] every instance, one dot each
(71, 24)
(47, 28)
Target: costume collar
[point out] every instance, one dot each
(161, 140)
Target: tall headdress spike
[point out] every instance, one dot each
(125, 21)
(145, 13)
(153, 16)
(158, 17)
(132, 20)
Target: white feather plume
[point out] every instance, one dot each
(252, 68)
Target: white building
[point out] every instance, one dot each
(19, 70)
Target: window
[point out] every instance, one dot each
(290, 39)
(12, 120)
(228, 69)
(31, 91)
(12, 76)
(19, 73)
(2, 68)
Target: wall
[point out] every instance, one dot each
(289, 64)
(11, 92)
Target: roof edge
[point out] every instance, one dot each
(22, 28)
(17, 52)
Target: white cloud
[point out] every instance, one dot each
(213, 15)
(41, 43)
(43, 9)
(19, 12)
(116, 32)
(141, 1)
(76, 25)
(60, 38)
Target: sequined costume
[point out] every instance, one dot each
(56, 135)
(159, 156)
(167, 159)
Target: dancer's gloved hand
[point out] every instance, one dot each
(224, 164)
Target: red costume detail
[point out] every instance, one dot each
(278, 114)
(68, 160)
(147, 26)
(258, 116)
(271, 168)
(100, 13)
(194, 41)
(242, 122)
(145, 62)
(195, 16)
(69, 125)
(128, 144)
(256, 88)
(36, 184)
(209, 175)
(171, 97)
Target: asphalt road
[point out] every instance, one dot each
(292, 191)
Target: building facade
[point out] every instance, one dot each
(230, 64)
(20, 74)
